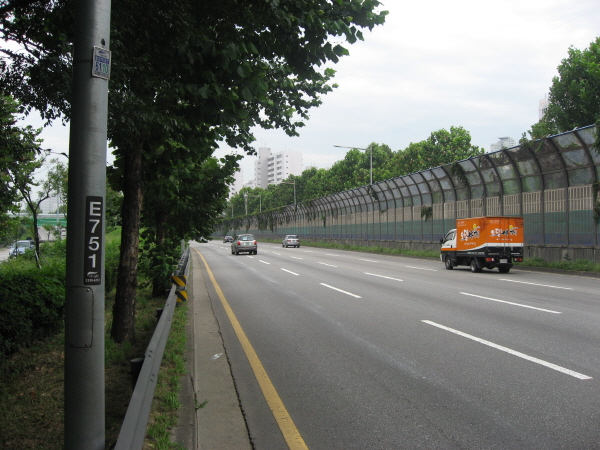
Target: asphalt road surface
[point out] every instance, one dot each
(372, 351)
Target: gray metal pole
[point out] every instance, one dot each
(371, 171)
(84, 317)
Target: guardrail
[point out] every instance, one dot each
(133, 430)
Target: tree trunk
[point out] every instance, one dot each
(36, 236)
(123, 326)
(158, 283)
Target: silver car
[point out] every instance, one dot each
(290, 240)
(244, 243)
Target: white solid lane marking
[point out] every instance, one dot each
(339, 290)
(535, 284)
(510, 351)
(264, 262)
(421, 268)
(289, 271)
(325, 264)
(511, 303)
(382, 276)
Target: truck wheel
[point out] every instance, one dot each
(448, 263)
(503, 269)
(474, 266)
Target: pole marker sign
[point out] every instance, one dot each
(101, 63)
(94, 234)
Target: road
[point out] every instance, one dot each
(381, 352)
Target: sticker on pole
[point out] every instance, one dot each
(101, 63)
(92, 253)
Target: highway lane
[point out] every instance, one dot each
(374, 351)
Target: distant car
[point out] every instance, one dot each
(19, 247)
(290, 240)
(227, 239)
(244, 243)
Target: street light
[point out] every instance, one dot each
(294, 183)
(48, 152)
(246, 195)
(368, 149)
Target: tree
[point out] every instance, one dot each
(202, 71)
(442, 147)
(540, 130)
(18, 146)
(574, 99)
(183, 199)
(19, 161)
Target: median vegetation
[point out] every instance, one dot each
(32, 362)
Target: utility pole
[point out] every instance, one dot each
(84, 316)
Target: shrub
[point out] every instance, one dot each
(33, 303)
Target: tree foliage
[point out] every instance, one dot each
(574, 99)
(189, 72)
(18, 149)
(441, 148)
(19, 159)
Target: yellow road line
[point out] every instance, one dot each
(282, 417)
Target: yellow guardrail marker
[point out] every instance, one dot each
(282, 417)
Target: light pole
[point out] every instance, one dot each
(246, 195)
(294, 183)
(48, 153)
(368, 149)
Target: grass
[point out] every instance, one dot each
(580, 265)
(166, 398)
(31, 388)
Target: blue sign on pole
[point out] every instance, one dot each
(101, 63)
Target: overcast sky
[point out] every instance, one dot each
(434, 64)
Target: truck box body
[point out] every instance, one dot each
(484, 242)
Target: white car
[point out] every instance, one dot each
(290, 240)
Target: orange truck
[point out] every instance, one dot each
(484, 242)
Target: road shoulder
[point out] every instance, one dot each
(209, 397)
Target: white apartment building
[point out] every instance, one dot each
(48, 206)
(503, 142)
(273, 168)
(238, 184)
